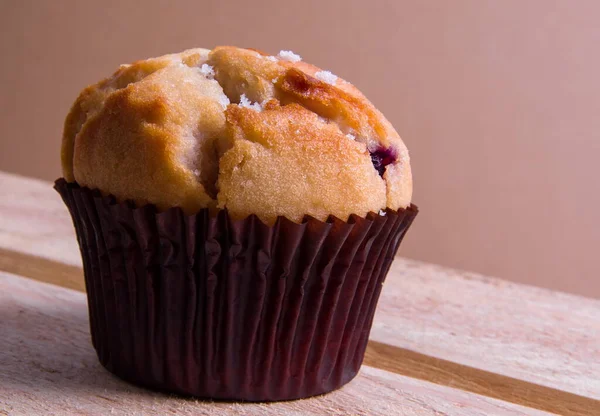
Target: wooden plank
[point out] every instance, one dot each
(379, 355)
(532, 334)
(423, 367)
(48, 365)
(42, 269)
(34, 220)
(518, 343)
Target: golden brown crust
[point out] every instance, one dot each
(286, 161)
(342, 103)
(148, 139)
(244, 71)
(92, 98)
(162, 131)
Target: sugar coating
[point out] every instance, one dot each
(224, 101)
(246, 103)
(208, 71)
(289, 56)
(327, 77)
(272, 58)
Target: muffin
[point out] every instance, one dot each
(237, 214)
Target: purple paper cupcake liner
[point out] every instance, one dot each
(211, 307)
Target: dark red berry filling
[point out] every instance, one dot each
(381, 158)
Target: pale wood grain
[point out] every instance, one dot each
(42, 269)
(537, 335)
(48, 365)
(543, 337)
(33, 220)
(379, 355)
(436, 370)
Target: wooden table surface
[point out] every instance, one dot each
(443, 341)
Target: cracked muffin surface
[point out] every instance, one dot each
(237, 129)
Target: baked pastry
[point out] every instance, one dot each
(237, 129)
(237, 214)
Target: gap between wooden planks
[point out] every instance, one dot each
(379, 355)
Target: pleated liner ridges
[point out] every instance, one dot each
(206, 306)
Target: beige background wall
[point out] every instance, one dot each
(499, 102)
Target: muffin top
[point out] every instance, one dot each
(237, 129)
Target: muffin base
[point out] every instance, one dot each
(211, 307)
